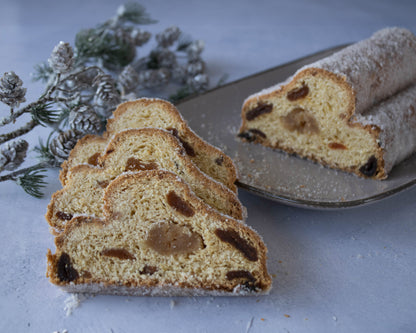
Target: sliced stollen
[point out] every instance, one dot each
(158, 113)
(135, 150)
(86, 151)
(157, 238)
(330, 110)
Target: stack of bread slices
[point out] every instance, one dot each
(149, 208)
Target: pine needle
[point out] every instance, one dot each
(32, 182)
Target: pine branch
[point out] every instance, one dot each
(19, 132)
(12, 117)
(32, 182)
(43, 115)
(42, 72)
(135, 13)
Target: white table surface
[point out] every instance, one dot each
(334, 271)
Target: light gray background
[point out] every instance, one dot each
(334, 271)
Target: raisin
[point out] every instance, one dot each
(119, 253)
(65, 270)
(219, 161)
(241, 274)
(134, 164)
(336, 145)
(64, 216)
(246, 275)
(179, 204)
(169, 238)
(252, 134)
(261, 108)
(188, 148)
(370, 168)
(94, 159)
(298, 93)
(233, 238)
(149, 270)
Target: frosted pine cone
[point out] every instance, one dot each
(84, 119)
(106, 93)
(152, 78)
(198, 83)
(62, 145)
(195, 68)
(13, 154)
(140, 37)
(62, 58)
(128, 78)
(194, 50)
(11, 91)
(168, 36)
(166, 58)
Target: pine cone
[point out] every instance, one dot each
(152, 78)
(13, 154)
(11, 91)
(62, 58)
(106, 93)
(140, 37)
(61, 146)
(84, 119)
(195, 68)
(194, 50)
(179, 74)
(167, 37)
(198, 83)
(166, 58)
(128, 78)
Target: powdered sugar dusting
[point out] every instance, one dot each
(377, 67)
(396, 118)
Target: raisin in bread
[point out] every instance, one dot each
(354, 110)
(158, 113)
(135, 150)
(158, 238)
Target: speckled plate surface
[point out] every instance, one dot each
(273, 174)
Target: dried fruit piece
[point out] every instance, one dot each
(370, 168)
(64, 216)
(241, 274)
(219, 161)
(301, 121)
(135, 164)
(179, 204)
(170, 239)
(298, 93)
(233, 238)
(94, 159)
(66, 272)
(336, 145)
(149, 270)
(260, 109)
(252, 135)
(119, 253)
(188, 148)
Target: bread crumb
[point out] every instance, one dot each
(262, 319)
(287, 316)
